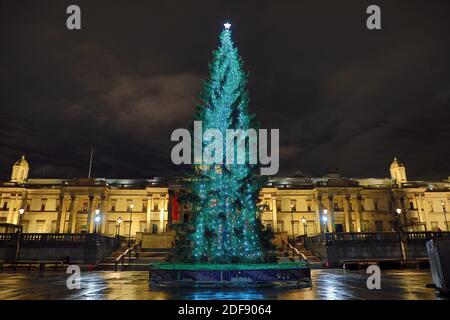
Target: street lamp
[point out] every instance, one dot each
(445, 213)
(304, 225)
(97, 220)
(119, 222)
(131, 221)
(399, 217)
(21, 212)
(292, 222)
(325, 219)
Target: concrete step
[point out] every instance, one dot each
(157, 250)
(126, 267)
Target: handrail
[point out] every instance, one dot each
(295, 250)
(127, 252)
(329, 237)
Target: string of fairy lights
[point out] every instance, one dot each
(225, 213)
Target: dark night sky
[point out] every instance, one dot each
(341, 95)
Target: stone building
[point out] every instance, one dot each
(296, 205)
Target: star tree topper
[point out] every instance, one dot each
(227, 25)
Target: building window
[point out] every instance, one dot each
(308, 205)
(434, 225)
(54, 224)
(44, 201)
(155, 204)
(392, 225)
(411, 205)
(40, 226)
(294, 205)
(365, 226)
(379, 226)
(430, 204)
(129, 203)
(112, 228)
(278, 205)
(144, 205)
(5, 205)
(375, 205)
(85, 206)
(154, 228)
(113, 206)
(295, 228)
(280, 226)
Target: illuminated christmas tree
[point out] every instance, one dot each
(224, 196)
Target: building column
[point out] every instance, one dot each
(11, 213)
(90, 215)
(274, 215)
(421, 211)
(330, 214)
(73, 214)
(405, 209)
(62, 215)
(318, 209)
(59, 214)
(347, 214)
(103, 213)
(358, 213)
(149, 213)
(163, 206)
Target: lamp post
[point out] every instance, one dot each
(292, 222)
(131, 221)
(304, 226)
(403, 240)
(119, 222)
(96, 219)
(21, 212)
(399, 217)
(325, 219)
(445, 214)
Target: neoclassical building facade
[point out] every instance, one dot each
(296, 205)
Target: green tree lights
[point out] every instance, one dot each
(224, 196)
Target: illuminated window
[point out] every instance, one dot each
(294, 205)
(144, 205)
(44, 201)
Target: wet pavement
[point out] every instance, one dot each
(330, 284)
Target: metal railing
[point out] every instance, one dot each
(375, 236)
(128, 252)
(295, 251)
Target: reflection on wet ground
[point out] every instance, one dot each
(330, 284)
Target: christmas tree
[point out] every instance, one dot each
(224, 195)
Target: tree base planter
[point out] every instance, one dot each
(230, 275)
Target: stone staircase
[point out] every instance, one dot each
(314, 261)
(139, 262)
